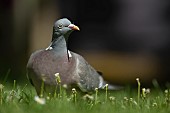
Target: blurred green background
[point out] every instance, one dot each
(122, 39)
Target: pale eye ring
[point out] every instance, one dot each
(60, 26)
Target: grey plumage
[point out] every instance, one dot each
(72, 68)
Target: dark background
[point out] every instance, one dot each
(124, 39)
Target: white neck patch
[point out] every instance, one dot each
(69, 54)
(49, 47)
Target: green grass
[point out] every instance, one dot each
(17, 98)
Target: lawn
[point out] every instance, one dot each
(21, 98)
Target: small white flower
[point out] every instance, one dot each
(154, 104)
(106, 86)
(125, 98)
(65, 86)
(39, 100)
(57, 75)
(73, 89)
(137, 79)
(58, 80)
(148, 90)
(112, 98)
(143, 89)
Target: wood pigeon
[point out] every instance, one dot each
(72, 68)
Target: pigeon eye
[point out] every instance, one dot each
(60, 26)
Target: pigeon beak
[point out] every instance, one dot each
(73, 27)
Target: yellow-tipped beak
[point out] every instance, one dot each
(73, 27)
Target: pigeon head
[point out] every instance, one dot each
(63, 27)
